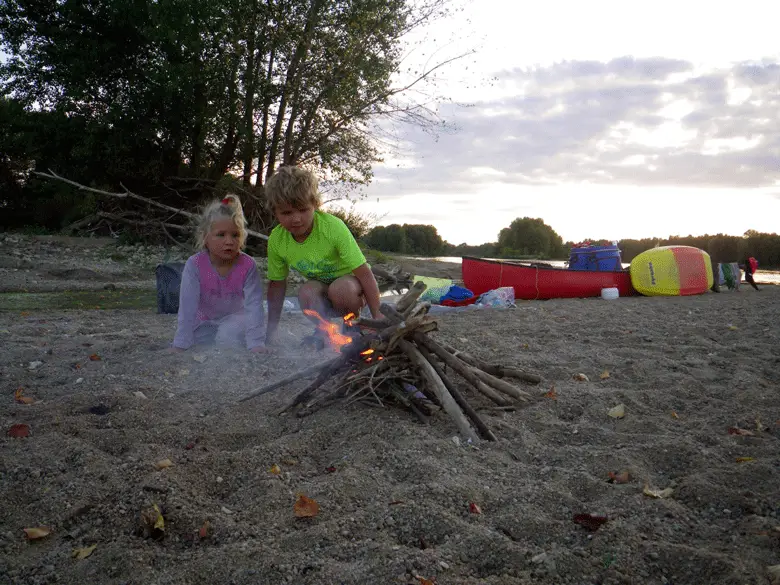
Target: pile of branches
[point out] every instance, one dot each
(156, 218)
(396, 362)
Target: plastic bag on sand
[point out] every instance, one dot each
(499, 297)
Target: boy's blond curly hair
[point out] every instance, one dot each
(293, 186)
(228, 208)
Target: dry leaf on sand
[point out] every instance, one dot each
(741, 432)
(305, 507)
(590, 521)
(622, 477)
(205, 529)
(19, 431)
(581, 377)
(474, 508)
(22, 399)
(745, 459)
(660, 494)
(618, 411)
(275, 469)
(36, 533)
(604, 375)
(83, 553)
(163, 464)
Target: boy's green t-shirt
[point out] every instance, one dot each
(329, 252)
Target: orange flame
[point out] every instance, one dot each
(331, 330)
(368, 352)
(349, 318)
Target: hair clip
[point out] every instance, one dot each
(226, 201)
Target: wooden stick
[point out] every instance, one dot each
(375, 324)
(456, 394)
(410, 297)
(403, 399)
(501, 385)
(292, 378)
(391, 313)
(434, 381)
(138, 222)
(461, 367)
(318, 381)
(494, 369)
(417, 310)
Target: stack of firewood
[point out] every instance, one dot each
(396, 362)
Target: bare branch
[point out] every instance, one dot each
(129, 194)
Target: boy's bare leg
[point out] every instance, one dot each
(312, 296)
(346, 295)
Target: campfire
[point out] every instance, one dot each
(395, 362)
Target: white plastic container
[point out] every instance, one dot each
(610, 294)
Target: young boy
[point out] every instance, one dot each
(317, 245)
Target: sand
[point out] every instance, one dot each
(395, 495)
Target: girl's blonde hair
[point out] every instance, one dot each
(227, 208)
(294, 186)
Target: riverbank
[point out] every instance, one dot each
(697, 378)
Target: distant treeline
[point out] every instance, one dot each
(721, 248)
(532, 238)
(524, 238)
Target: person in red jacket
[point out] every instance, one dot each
(751, 266)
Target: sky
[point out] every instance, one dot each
(606, 119)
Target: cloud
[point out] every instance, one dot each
(658, 122)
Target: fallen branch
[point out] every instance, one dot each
(129, 194)
(494, 369)
(139, 222)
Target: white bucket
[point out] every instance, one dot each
(610, 294)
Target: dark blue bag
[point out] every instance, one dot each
(168, 286)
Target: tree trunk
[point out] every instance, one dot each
(268, 97)
(198, 135)
(291, 82)
(228, 150)
(250, 88)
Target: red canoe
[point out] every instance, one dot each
(532, 281)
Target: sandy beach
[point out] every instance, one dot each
(698, 377)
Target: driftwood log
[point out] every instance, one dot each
(395, 361)
(387, 279)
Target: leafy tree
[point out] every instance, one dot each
(191, 90)
(359, 224)
(528, 236)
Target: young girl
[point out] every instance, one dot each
(317, 245)
(221, 298)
